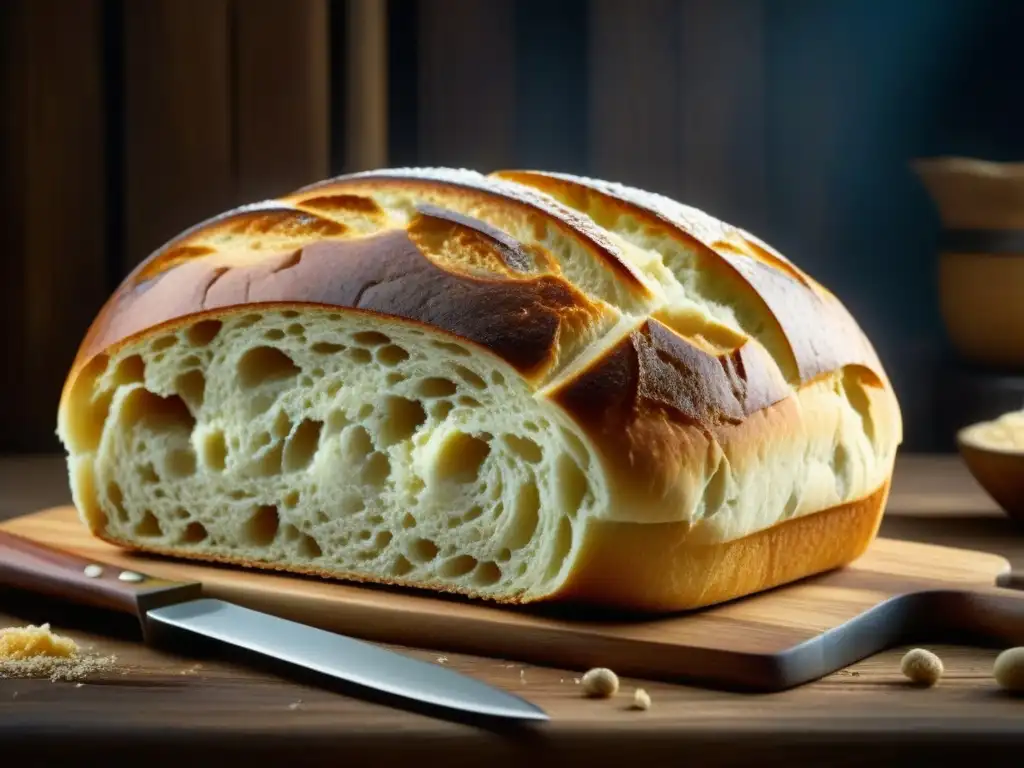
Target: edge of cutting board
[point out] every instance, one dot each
(768, 642)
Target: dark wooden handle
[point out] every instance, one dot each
(38, 568)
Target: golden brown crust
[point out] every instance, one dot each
(655, 568)
(821, 334)
(389, 273)
(459, 187)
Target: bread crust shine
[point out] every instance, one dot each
(741, 426)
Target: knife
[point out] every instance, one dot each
(161, 603)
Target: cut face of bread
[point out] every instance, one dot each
(522, 387)
(346, 444)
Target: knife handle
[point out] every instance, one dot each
(46, 570)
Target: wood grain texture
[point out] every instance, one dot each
(178, 127)
(366, 85)
(721, 115)
(634, 120)
(200, 710)
(466, 83)
(773, 641)
(52, 205)
(281, 95)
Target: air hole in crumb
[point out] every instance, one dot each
(295, 329)
(370, 338)
(260, 365)
(308, 547)
(317, 373)
(377, 469)
(358, 443)
(486, 574)
(461, 458)
(360, 355)
(262, 526)
(473, 513)
(394, 378)
(274, 334)
(289, 314)
(327, 348)
(408, 521)
(214, 451)
(181, 513)
(437, 387)
(202, 333)
(194, 533)
(180, 462)
(563, 542)
(336, 421)
(457, 566)
(262, 440)
(441, 409)
(116, 497)
(147, 474)
(470, 377)
(291, 499)
(391, 355)
(531, 427)
(238, 494)
(302, 445)
(269, 464)
(148, 526)
(130, 370)
(469, 402)
(164, 342)
(497, 378)
(382, 539)
(454, 349)
(401, 566)
(504, 555)
(248, 321)
(422, 550)
(191, 385)
(365, 411)
(572, 485)
(525, 517)
(402, 417)
(260, 403)
(524, 448)
(282, 425)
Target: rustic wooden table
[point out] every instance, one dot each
(162, 709)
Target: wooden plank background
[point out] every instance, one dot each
(125, 121)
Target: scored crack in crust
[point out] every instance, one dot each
(524, 386)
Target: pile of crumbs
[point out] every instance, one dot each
(36, 652)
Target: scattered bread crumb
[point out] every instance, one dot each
(600, 683)
(522, 676)
(37, 652)
(442, 659)
(26, 642)
(1008, 669)
(641, 699)
(922, 667)
(295, 704)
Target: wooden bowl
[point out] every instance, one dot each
(994, 454)
(980, 297)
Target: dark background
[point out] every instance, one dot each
(126, 121)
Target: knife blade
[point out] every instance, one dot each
(159, 603)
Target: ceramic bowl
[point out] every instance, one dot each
(994, 454)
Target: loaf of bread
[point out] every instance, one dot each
(521, 386)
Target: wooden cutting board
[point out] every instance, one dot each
(897, 592)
